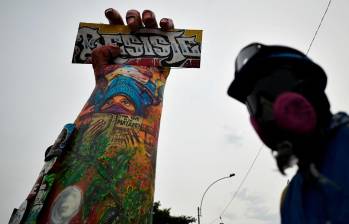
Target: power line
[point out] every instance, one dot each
(260, 149)
(318, 28)
(241, 183)
(243, 180)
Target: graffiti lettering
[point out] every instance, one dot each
(125, 121)
(168, 48)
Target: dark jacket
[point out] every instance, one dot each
(325, 199)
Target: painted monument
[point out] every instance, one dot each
(101, 169)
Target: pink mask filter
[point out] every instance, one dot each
(294, 113)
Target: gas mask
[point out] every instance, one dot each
(282, 116)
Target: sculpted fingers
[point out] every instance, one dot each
(149, 20)
(133, 19)
(113, 16)
(166, 24)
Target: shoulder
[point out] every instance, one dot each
(338, 131)
(338, 121)
(291, 201)
(292, 188)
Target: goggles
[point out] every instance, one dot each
(246, 54)
(260, 102)
(253, 49)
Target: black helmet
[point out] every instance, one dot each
(256, 60)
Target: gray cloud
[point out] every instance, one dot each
(257, 207)
(231, 136)
(262, 213)
(230, 216)
(249, 197)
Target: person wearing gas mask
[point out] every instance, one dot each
(284, 92)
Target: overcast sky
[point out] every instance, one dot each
(204, 134)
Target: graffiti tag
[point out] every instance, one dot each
(148, 47)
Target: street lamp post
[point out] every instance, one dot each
(200, 207)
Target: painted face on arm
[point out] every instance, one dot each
(119, 104)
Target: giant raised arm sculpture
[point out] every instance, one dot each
(101, 169)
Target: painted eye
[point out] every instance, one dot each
(125, 102)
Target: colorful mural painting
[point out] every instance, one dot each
(101, 169)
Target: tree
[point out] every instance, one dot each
(162, 216)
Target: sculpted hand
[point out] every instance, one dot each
(102, 56)
(105, 71)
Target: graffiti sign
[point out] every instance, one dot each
(147, 47)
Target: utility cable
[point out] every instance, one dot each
(318, 28)
(240, 185)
